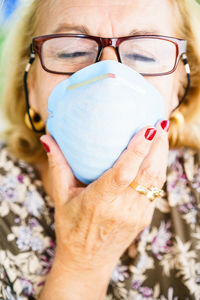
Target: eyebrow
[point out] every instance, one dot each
(82, 29)
(68, 28)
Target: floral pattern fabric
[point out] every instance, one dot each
(162, 263)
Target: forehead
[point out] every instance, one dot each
(109, 17)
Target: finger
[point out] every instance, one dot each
(126, 167)
(153, 168)
(62, 176)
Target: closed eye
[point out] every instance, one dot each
(73, 54)
(140, 57)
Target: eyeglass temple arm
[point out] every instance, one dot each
(31, 60)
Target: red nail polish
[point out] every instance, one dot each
(150, 133)
(46, 147)
(165, 125)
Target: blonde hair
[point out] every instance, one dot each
(25, 143)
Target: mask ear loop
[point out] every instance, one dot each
(31, 60)
(187, 68)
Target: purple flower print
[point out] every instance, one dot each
(17, 220)
(29, 239)
(196, 181)
(47, 258)
(146, 292)
(33, 222)
(20, 178)
(36, 244)
(189, 208)
(27, 287)
(136, 284)
(10, 192)
(119, 273)
(24, 238)
(162, 241)
(34, 203)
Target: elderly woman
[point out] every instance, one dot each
(118, 236)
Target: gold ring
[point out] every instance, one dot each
(151, 193)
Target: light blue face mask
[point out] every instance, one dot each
(94, 114)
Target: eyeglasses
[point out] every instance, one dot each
(150, 55)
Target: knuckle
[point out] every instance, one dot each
(118, 215)
(162, 177)
(148, 173)
(52, 162)
(143, 218)
(151, 175)
(113, 218)
(163, 140)
(124, 222)
(139, 151)
(120, 177)
(159, 181)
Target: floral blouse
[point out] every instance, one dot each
(162, 263)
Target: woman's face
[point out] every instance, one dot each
(106, 18)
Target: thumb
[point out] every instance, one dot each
(62, 178)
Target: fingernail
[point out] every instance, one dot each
(45, 146)
(165, 125)
(150, 133)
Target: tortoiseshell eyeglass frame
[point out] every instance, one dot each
(180, 45)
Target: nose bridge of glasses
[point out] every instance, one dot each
(108, 42)
(112, 43)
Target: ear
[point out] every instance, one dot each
(180, 83)
(183, 81)
(175, 96)
(31, 91)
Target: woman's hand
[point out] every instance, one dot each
(95, 224)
